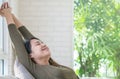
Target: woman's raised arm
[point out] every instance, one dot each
(23, 30)
(16, 38)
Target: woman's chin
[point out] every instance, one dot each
(46, 52)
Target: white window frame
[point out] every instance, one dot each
(4, 48)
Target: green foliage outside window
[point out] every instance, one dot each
(97, 36)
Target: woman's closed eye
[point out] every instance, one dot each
(37, 43)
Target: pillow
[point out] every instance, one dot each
(8, 77)
(21, 72)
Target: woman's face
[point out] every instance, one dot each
(39, 50)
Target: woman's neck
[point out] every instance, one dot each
(42, 62)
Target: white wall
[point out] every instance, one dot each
(52, 22)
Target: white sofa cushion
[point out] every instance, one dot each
(8, 77)
(21, 72)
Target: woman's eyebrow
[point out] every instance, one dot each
(37, 42)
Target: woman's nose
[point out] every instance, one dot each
(43, 45)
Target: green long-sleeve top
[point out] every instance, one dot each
(38, 71)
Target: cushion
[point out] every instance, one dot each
(8, 77)
(21, 72)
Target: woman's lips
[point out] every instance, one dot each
(45, 48)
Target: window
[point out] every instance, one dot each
(3, 46)
(96, 38)
(1, 66)
(1, 43)
(1, 30)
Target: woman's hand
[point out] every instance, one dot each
(5, 9)
(6, 12)
(2, 7)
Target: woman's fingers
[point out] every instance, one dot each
(5, 8)
(2, 7)
(6, 5)
(1, 13)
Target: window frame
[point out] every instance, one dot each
(4, 55)
(4, 48)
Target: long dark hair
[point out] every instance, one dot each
(28, 45)
(28, 48)
(52, 62)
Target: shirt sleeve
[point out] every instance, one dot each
(25, 33)
(19, 46)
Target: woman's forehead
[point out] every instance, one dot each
(36, 41)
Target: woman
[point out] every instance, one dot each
(33, 54)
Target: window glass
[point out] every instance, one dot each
(1, 67)
(1, 29)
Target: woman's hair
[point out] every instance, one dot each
(28, 45)
(52, 62)
(28, 48)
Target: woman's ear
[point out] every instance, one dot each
(31, 55)
(32, 58)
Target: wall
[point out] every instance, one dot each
(52, 22)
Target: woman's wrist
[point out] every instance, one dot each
(8, 15)
(9, 18)
(17, 22)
